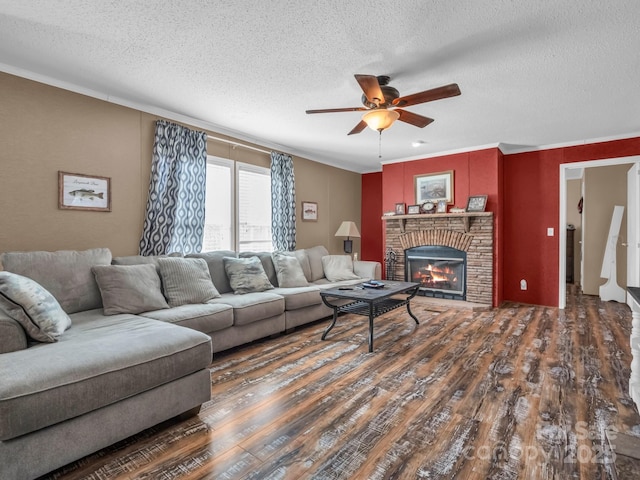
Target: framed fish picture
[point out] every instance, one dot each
(84, 192)
(309, 211)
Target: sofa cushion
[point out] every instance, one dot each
(252, 307)
(288, 270)
(99, 361)
(129, 288)
(315, 255)
(267, 264)
(204, 317)
(299, 297)
(66, 274)
(33, 307)
(246, 275)
(367, 270)
(338, 268)
(216, 267)
(303, 258)
(12, 335)
(142, 259)
(324, 284)
(186, 281)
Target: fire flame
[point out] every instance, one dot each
(431, 275)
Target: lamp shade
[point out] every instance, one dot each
(348, 229)
(380, 119)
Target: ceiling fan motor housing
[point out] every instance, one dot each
(390, 94)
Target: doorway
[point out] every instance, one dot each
(567, 171)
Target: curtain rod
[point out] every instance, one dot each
(236, 144)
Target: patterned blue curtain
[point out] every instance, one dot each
(283, 202)
(174, 219)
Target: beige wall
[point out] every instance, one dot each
(604, 188)
(338, 194)
(46, 129)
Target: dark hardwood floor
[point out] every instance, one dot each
(519, 392)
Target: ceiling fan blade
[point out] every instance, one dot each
(371, 88)
(446, 91)
(413, 118)
(358, 128)
(334, 110)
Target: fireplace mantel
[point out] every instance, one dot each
(402, 219)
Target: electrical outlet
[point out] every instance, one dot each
(523, 284)
(550, 232)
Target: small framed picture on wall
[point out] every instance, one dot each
(476, 203)
(77, 191)
(400, 209)
(309, 211)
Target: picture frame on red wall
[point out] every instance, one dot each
(476, 203)
(400, 209)
(433, 187)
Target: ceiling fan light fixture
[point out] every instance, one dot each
(380, 119)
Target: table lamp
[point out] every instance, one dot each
(348, 229)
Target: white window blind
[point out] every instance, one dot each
(238, 213)
(219, 221)
(254, 209)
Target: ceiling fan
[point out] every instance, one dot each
(382, 103)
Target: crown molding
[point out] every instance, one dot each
(505, 148)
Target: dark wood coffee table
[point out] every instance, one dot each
(370, 302)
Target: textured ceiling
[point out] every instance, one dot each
(531, 73)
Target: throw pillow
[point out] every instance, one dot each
(129, 288)
(288, 270)
(186, 281)
(31, 305)
(267, 264)
(338, 267)
(215, 261)
(246, 275)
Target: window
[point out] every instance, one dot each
(218, 220)
(254, 209)
(238, 207)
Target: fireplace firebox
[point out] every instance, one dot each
(440, 271)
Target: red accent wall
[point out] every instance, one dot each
(474, 173)
(372, 229)
(531, 205)
(524, 195)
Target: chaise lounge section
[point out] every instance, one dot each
(104, 379)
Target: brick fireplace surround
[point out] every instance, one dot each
(471, 232)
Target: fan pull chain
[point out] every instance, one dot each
(380, 144)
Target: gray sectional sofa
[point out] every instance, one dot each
(118, 370)
(260, 314)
